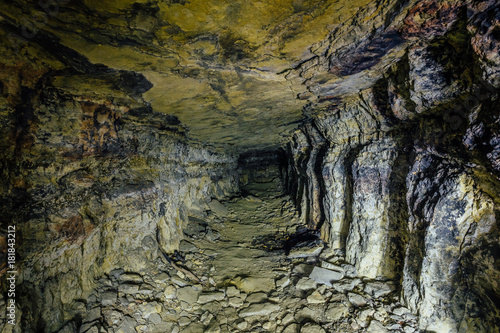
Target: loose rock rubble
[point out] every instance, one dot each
(242, 286)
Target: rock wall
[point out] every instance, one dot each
(94, 180)
(397, 164)
(305, 153)
(407, 183)
(261, 167)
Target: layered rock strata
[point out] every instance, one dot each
(121, 124)
(94, 180)
(410, 170)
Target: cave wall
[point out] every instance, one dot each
(94, 181)
(261, 167)
(407, 178)
(304, 153)
(397, 164)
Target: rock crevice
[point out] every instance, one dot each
(285, 166)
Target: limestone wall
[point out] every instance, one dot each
(94, 181)
(410, 177)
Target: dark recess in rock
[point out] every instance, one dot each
(250, 166)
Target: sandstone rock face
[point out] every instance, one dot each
(125, 126)
(305, 154)
(408, 194)
(376, 211)
(94, 181)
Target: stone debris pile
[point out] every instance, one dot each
(242, 287)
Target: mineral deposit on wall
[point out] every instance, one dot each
(250, 166)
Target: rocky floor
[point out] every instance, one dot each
(247, 267)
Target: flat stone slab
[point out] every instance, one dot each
(315, 298)
(161, 278)
(254, 284)
(256, 298)
(108, 298)
(345, 285)
(376, 327)
(188, 294)
(259, 309)
(330, 266)
(283, 282)
(131, 278)
(325, 276)
(129, 289)
(163, 327)
(232, 291)
(149, 309)
(306, 284)
(356, 300)
(336, 311)
(183, 321)
(303, 269)
(236, 302)
(379, 289)
(304, 252)
(178, 281)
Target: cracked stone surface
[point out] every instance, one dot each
(251, 166)
(231, 286)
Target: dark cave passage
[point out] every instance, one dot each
(213, 166)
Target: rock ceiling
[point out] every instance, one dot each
(394, 161)
(237, 74)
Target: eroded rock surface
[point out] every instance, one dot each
(236, 284)
(246, 166)
(408, 194)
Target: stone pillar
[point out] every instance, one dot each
(376, 232)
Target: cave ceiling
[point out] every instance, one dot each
(238, 75)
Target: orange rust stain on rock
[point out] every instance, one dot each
(99, 128)
(429, 18)
(74, 229)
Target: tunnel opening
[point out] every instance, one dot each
(205, 166)
(264, 174)
(261, 172)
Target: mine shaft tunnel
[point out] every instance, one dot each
(277, 171)
(271, 174)
(213, 166)
(263, 170)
